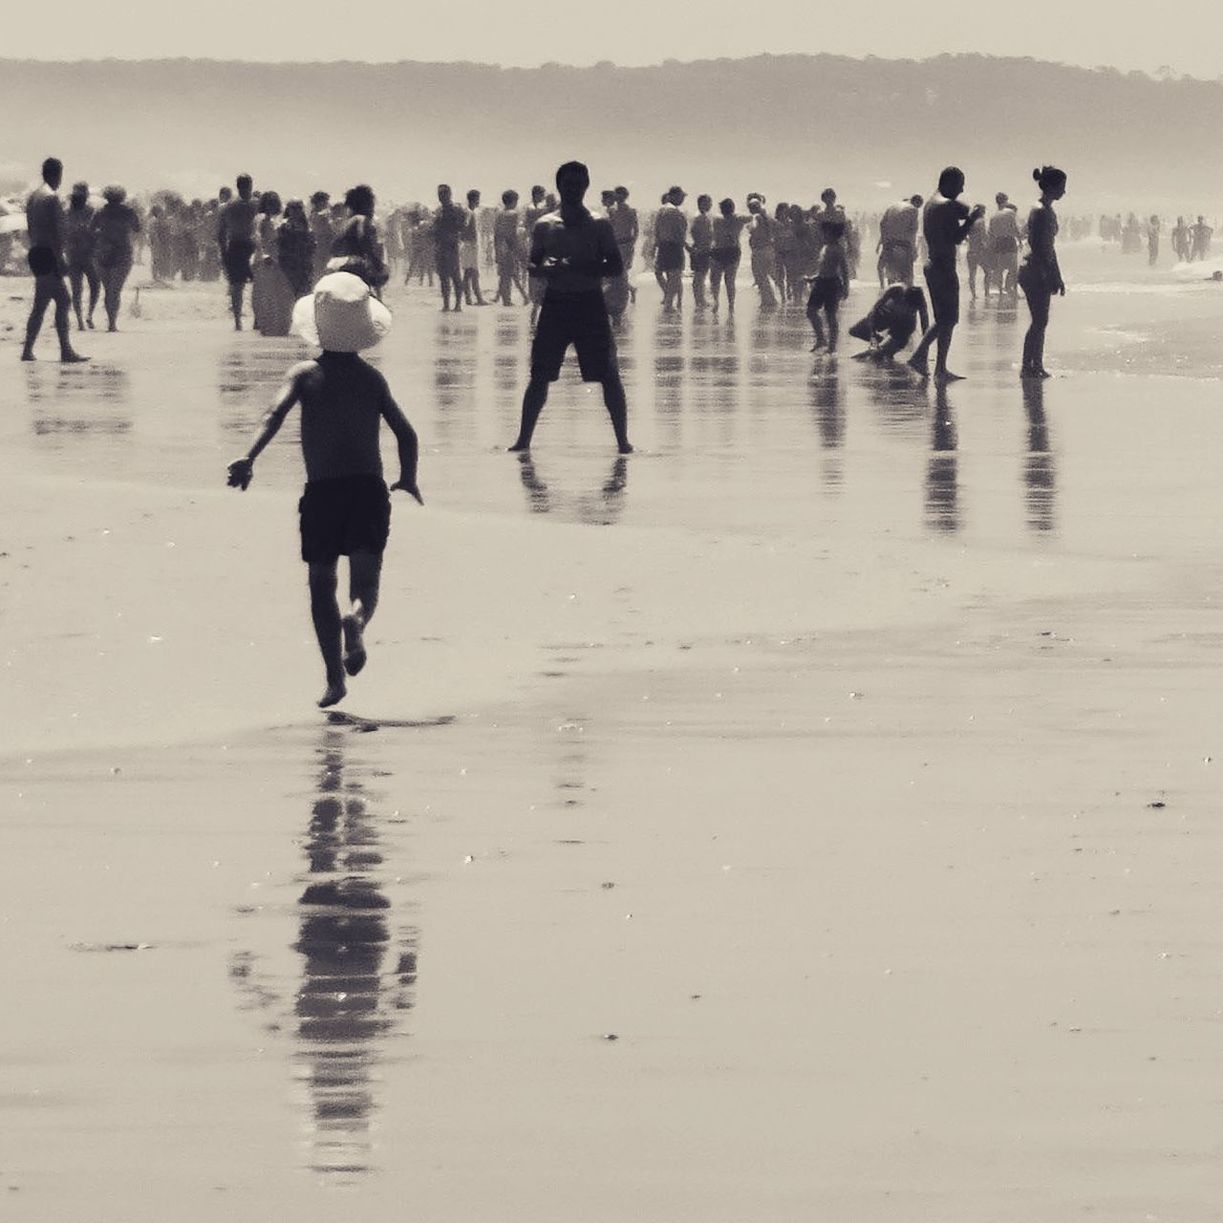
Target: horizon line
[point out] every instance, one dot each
(1158, 75)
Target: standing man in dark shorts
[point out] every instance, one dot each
(573, 252)
(44, 218)
(945, 224)
(236, 239)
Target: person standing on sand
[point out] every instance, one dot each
(574, 252)
(44, 217)
(1003, 239)
(346, 507)
(79, 252)
(699, 248)
(1201, 234)
(726, 253)
(236, 238)
(670, 230)
(506, 247)
(449, 222)
(627, 229)
(976, 256)
(469, 252)
(116, 226)
(321, 230)
(1040, 277)
(829, 284)
(763, 253)
(945, 224)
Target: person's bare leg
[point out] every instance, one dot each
(63, 325)
(364, 576)
(76, 279)
(533, 400)
(325, 612)
(729, 278)
(941, 372)
(920, 358)
(830, 313)
(616, 403)
(42, 299)
(95, 289)
(235, 304)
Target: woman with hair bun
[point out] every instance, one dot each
(1040, 277)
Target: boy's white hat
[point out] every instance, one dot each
(341, 315)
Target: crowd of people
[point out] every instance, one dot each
(319, 269)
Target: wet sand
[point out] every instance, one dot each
(847, 755)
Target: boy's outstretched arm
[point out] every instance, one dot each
(409, 448)
(241, 470)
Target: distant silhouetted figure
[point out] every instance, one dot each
(1040, 277)
(1180, 240)
(1003, 247)
(79, 241)
(670, 230)
(724, 257)
(116, 226)
(573, 252)
(44, 214)
(829, 285)
(449, 222)
(507, 244)
(236, 238)
(700, 246)
(945, 224)
(469, 252)
(760, 241)
(1154, 227)
(1200, 236)
(898, 241)
(627, 229)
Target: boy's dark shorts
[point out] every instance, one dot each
(342, 516)
(579, 319)
(237, 260)
(944, 286)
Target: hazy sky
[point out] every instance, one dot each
(1187, 36)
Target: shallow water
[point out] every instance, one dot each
(887, 896)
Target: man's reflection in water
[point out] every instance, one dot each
(1040, 471)
(669, 377)
(600, 509)
(247, 379)
(942, 491)
(828, 410)
(356, 970)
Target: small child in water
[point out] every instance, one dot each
(346, 507)
(829, 285)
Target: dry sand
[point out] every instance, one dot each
(812, 817)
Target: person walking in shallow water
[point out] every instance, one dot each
(1040, 277)
(346, 507)
(573, 252)
(44, 214)
(116, 226)
(236, 240)
(79, 247)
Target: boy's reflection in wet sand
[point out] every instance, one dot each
(942, 488)
(357, 970)
(1040, 471)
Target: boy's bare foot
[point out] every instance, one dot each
(625, 448)
(354, 645)
(335, 693)
(945, 375)
(72, 358)
(518, 447)
(27, 355)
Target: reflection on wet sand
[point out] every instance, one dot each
(1040, 470)
(248, 377)
(357, 968)
(942, 479)
(88, 399)
(599, 509)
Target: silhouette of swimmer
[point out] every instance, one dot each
(47, 229)
(574, 252)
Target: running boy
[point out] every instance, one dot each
(346, 508)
